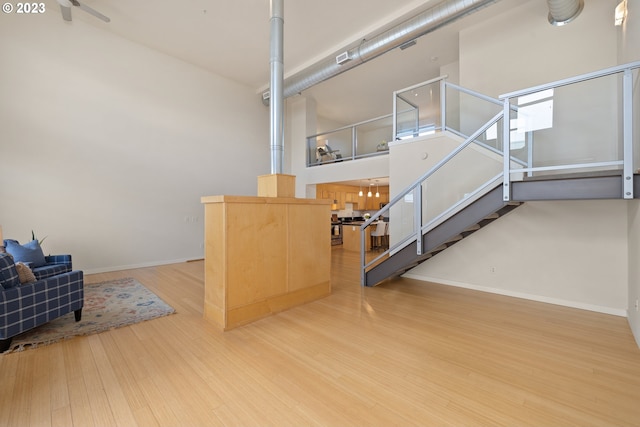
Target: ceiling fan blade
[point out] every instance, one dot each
(66, 12)
(91, 11)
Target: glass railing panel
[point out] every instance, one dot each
(364, 139)
(573, 126)
(330, 147)
(418, 111)
(407, 120)
(402, 221)
(373, 136)
(459, 181)
(466, 113)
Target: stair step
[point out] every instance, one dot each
(474, 227)
(455, 239)
(425, 257)
(494, 215)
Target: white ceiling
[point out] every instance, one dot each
(231, 39)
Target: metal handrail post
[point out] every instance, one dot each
(530, 152)
(506, 150)
(362, 258)
(443, 105)
(627, 133)
(354, 142)
(417, 214)
(394, 124)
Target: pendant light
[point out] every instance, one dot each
(377, 190)
(360, 193)
(369, 193)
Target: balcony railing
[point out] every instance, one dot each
(361, 140)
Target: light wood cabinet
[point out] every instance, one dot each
(340, 195)
(341, 198)
(263, 255)
(373, 202)
(349, 198)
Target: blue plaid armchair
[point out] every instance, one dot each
(25, 306)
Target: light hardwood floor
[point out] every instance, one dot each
(401, 354)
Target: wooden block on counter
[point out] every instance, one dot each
(276, 185)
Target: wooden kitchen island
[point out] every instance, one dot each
(263, 255)
(351, 237)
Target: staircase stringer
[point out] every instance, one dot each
(464, 223)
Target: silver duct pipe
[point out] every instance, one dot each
(430, 20)
(562, 12)
(277, 84)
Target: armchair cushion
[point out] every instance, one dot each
(56, 264)
(28, 253)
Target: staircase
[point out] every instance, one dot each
(491, 207)
(520, 181)
(461, 225)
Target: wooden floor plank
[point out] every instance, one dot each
(403, 353)
(21, 394)
(41, 390)
(119, 400)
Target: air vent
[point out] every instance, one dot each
(266, 96)
(342, 58)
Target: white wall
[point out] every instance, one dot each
(572, 253)
(107, 146)
(520, 49)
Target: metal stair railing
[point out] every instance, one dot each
(512, 163)
(626, 92)
(415, 189)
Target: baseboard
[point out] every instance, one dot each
(132, 266)
(538, 298)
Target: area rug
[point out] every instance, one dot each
(107, 305)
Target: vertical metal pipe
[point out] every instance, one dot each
(276, 106)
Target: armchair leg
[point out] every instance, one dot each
(5, 344)
(78, 314)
